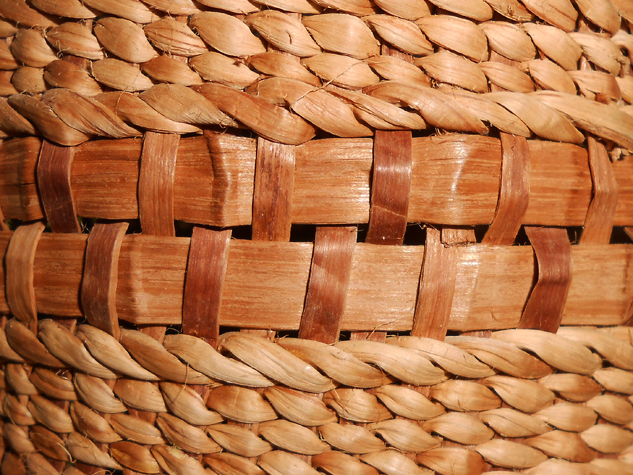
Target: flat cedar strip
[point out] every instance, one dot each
(100, 279)
(18, 183)
(18, 263)
(270, 280)
(544, 308)
(272, 194)
(514, 194)
(206, 268)
(156, 183)
(389, 203)
(437, 287)
(53, 180)
(600, 215)
(329, 279)
(391, 187)
(455, 181)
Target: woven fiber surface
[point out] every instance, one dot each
(331, 75)
(522, 399)
(281, 237)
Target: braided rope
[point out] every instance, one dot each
(332, 77)
(381, 385)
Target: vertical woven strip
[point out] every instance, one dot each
(156, 183)
(274, 186)
(390, 192)
(601, 213)
(206, 268)
(514, 191)
(272, 193)
(98, 288)
(53, 180)
(3, 223)
(19, 261)
(437, 286)
(391, 187)
(156, 194)
(327, 287)
(544, 308)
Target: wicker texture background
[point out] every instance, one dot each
(142, 142)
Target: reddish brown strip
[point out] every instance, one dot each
(274, 187)
(53, 180)
(514, 193)
(101, 270)
(19, 195)
(601, 212)
(206, 268)
(391, 187)
(18, 263)
(327, 287)
(437, 286)
(157, 332)
(156, 183)
(544, 308)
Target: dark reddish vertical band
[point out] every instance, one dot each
(327, 287)
(391, 187)
(206, 268)
(274, 187)
(514, 193)
(101, 270)
(544, 308)
(18, 262)
(156, 183)
(601, 213)
(53, 180)
(437, 287)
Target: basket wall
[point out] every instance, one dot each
(302, 236)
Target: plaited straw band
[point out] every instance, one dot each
(335, 87)
(585, 371)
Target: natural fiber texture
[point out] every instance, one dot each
(455, 180)
(271, 281)
(430, 188)
(110, 417)
(293, 88)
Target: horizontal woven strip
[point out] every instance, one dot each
(270, 280)
(455, 180)
(411, 403)
(224, 67)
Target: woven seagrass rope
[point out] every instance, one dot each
(331, 76)
(501, 390)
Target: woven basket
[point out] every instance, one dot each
(303, 236)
